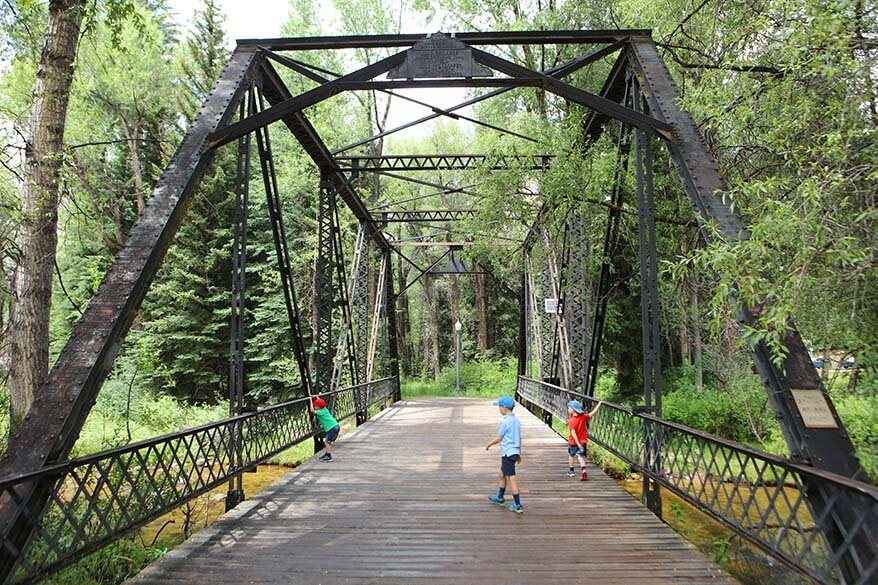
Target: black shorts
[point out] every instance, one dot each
(507, 465)
(332, 434)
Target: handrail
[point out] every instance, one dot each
(797, 514)
(93, 500)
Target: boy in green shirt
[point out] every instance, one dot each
(327, 422)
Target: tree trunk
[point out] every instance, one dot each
(403, 324)
(696, 337)
(685, 353)
(136, 172)
(38, 235)
(431, 333)
(481, 313)
(855, 376)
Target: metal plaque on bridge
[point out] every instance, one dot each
(814, 409)
(439, 56)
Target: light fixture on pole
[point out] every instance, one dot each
(457, 356)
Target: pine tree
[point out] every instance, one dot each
(186, 314)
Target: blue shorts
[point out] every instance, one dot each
(507, 465)
(575, 451)
(332, 434)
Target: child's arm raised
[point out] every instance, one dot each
(596, 409)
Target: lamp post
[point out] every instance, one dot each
(457, 356)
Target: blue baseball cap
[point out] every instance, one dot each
(576, 405)
(505, 401)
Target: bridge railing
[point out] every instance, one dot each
(94, 500)
(797, 514)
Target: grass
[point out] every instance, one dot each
(420, 388)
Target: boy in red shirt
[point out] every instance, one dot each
(578, 441)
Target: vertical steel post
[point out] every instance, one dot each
(576, 303)
(392, 337)
(235, 494)
(323, 290)
(457, 328)
(523, 338)
(649, 307)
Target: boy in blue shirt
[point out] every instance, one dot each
(509, 438)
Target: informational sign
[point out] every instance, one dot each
(551, 306)
(439, 56)
(814, 409)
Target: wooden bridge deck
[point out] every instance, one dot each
(405, 502)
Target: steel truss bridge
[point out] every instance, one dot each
(812, 512)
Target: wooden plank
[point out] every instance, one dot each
(405, 502)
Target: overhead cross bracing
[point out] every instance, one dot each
(445, 162)
(560, 327)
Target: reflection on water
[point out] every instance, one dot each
(203, 510)
(744, 562)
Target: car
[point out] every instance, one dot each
(818, 362)
(848, 362)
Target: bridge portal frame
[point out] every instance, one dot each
(51, 428)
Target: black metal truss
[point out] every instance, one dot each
(561, 37)
(237, 323)
(444, 162)
(62, 404)
(276, 92)
(649, 304)
(284, 263)
(425, 215)
(363, 79)
(313, 72)
(609, 251)
(558, 71)
(324, 297)
(576, 303)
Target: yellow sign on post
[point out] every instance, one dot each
(814, 409)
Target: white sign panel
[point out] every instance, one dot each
(814, 409)
(551, 305)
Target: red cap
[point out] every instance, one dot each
(319, 403)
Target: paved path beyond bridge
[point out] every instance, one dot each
(406, 502)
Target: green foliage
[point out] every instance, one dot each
(858, 411)
(482, 377)
(736, 413)
(127, 405)
(114, 564)
(487, 378)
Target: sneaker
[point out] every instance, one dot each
(570, 473)
(517, 508)
(497, 500)
(325, 458)
(584, 475)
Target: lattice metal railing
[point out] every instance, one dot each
(94, 500)
(798, 514)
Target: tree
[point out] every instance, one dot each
(39, 222)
